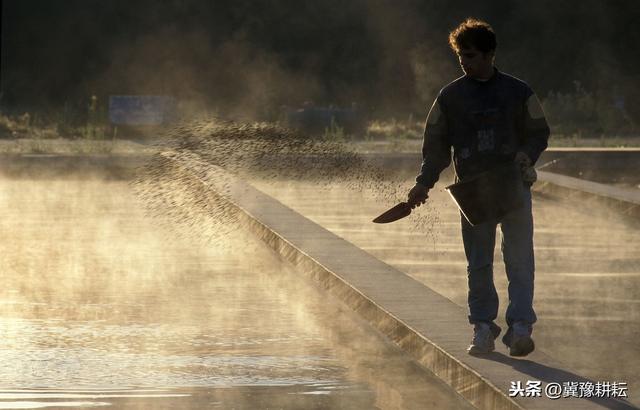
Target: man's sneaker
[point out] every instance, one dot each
(518, 339)
(484, 335)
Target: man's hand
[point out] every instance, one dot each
(529, 173)
(522, 160)
(418, 195)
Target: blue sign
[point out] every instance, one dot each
(140, 109)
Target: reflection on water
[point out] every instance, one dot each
(99, 354)
(44, 404)
(100, 307)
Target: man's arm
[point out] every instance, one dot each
(535, 129)
(436, 148)
(436, 152)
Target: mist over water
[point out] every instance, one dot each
(104, 302)
(102, 305)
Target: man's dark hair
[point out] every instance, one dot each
(473, 33)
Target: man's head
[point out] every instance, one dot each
(475, 44)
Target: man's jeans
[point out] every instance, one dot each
(517, 252)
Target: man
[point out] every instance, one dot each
(488, 118)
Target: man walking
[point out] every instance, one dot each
(489, 118)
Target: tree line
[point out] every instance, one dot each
(250, 58)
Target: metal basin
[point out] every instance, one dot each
(490, 195)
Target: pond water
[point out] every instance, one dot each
(100, 305)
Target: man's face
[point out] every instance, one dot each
(475, 63)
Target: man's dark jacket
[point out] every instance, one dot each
(486, 123)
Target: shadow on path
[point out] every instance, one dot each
(549, 374)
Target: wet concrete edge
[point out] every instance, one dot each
(624, 201)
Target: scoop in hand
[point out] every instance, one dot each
(397, 212)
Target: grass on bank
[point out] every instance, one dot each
(22, 135)
(62, 146)
(19, 136)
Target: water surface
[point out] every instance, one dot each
(102, 306)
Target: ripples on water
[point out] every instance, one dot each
(101, 307)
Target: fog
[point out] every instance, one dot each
(102, 304)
